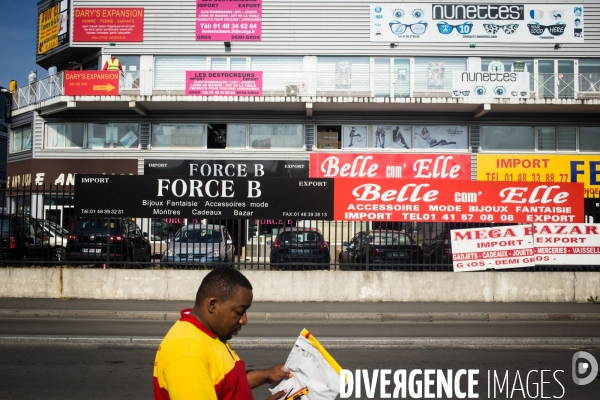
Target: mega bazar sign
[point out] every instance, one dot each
(464, 22)
(380, 166)
(456, 201)
(181, 197)
(546, 168)
(228, 168)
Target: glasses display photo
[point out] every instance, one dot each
(555, 30)
(509, 29)
(461, 92)
(398, 28)
(464, 28)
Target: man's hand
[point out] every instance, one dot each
(274, 374)
(276, 396)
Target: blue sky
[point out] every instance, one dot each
(19, 19)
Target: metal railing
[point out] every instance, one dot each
(293, 84)
(38, 226)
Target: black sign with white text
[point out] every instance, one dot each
(228, 168)
(196, 197)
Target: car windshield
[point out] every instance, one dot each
(197, 236)
(300, 237)
(54, 228)
(390, 238)
(95, 225)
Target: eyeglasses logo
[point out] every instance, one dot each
(555, 30)
(398, 28)
(580, 368)
(464, 29)
(458, 93)
(509, 29)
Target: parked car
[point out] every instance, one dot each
(114, 239)
(199, 245)
(299, 248)
(386, 249)
(57, 238)
(22, 239)
(158, 227)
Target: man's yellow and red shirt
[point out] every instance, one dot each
(193, 363)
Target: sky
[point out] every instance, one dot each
(19, 20)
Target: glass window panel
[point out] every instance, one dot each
(589, 138)
(179, 135)
(436, 73)
(112, 136)
(382, 77)
(507, 138)
(21, 139)
(546, 139)
(267, 136)
(441, 137)
(236, 136)
(64, 135)
(566, 138)
(17, 142)
(218, 64)
(238, 64)
(401, 77)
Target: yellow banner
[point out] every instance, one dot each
(541, 168)
(48, 29)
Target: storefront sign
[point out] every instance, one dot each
(457, 201)
(233, 20)
(223, 83)
(476, 23)
(43, 173)
(92, 24)
(541, 168)
(499, 247)
(228, 168)
(397, 166)
(503, 85)
(53, 27)
(91, 83)
(567, 244)
(194, 197)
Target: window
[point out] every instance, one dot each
(179, 135)
(111, 136)
(507, 138)
(435, 74)
(267, 136)
(343, 73)
(20, 139)
(523, 138)
(589, 138)
(64, 135)
(131, 72)
(589, 75)
(169, 71)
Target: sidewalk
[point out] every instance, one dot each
(307, 311)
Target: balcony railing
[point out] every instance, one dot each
(310, 84)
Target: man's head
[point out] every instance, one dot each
(222, 300)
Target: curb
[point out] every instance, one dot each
(311, 316)
(329, 342)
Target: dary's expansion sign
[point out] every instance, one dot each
(542, 168)
(457, 201)
(91, 83)
(188, 197)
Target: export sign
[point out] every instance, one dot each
(239, 20)
(91, 83)
(562, 244)
(492, 248)
(381, 166)
(93, 24)
(541, 168)
(457, 201)
(189, 197)
(223, 83)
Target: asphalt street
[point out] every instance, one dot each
(109, 371)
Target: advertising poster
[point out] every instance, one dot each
(343, 75)
(492, 248)
(356, 137)
(91, 83)
(233, 20)
(435, 74)
(385, 166)
(53, 27)
(441, 137)
(477, 23)
(223, 83)
(541, 168)
(228, 168)
(567, 244)
(457, 201)
(199, 197)
(92, 24)
(503, 85)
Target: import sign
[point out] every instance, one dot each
(91, 83)
(195, 197)
(223, 83)
(457, 201)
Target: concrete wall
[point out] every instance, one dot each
(114, 284)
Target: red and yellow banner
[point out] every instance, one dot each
(91, 83)
(108, 24)
(541, 168)
(48, 25)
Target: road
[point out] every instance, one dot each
(97, 371)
